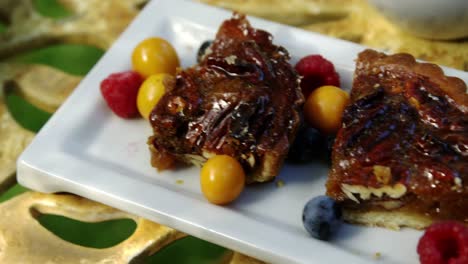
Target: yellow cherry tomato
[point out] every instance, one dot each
(222, 179)
(151, 90)
(154, 55)
(324, 108)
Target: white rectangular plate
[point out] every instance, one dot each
(85, 149)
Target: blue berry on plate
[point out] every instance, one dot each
(309, 144)
(202, 49)
(321, 217)
(329, 141)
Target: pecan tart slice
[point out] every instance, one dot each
(401, 156)
(243, 99)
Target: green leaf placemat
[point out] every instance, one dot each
(70, 58)
(51, 8)
(95, 235)
(2, 27)
(26, 114)
(12, 192)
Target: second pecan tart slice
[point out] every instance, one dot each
(401, 156)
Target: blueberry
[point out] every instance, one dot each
(309, 143)
(329, 141)
(321, 217)
(202, 49)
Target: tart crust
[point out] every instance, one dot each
(404, 63)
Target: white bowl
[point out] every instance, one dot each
(433, 19)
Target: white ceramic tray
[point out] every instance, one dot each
(85, 149)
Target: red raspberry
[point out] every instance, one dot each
(316, 71)
(444, 242)
(120, 92)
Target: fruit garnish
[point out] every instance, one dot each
(309, 144)
(444, 242)
(322, 217)
(222, 179)
(154, 55)
(151, 91)
(316, 71)
(324, 108)
(330, 140)
(120, 92)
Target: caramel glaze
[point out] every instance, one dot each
(404, 120)
(242, 100)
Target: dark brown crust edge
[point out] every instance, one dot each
(403, 62)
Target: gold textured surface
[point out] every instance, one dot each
(238, 258)
(93, 22)
(292, 12)
(42, 86)
(13, 139)
(24, 240)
